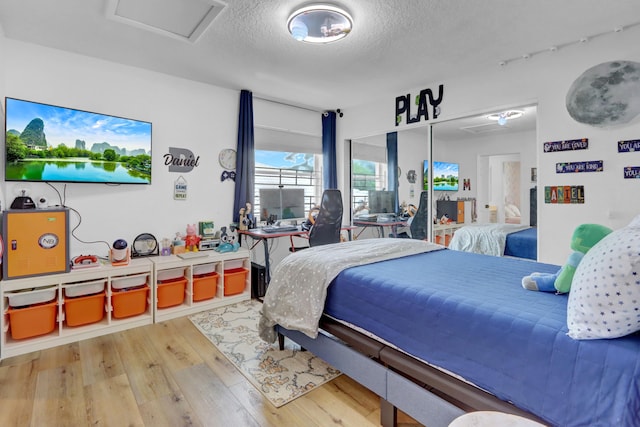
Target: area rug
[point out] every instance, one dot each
(281, 376)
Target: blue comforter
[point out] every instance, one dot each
(468, 313)
(522, 244)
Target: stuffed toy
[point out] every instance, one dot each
(228, 240)
(584, 237)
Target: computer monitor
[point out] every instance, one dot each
(382, 202)
(281, 203)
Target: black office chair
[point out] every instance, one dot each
(420, 223)
(327, 225)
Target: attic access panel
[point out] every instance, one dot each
(182, 19)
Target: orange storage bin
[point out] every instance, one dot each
(234, 281)
(204, 286)
(26, 322)
(171, 292)
(439, 240)
(447, 239)
(129, 302)
(84, 310)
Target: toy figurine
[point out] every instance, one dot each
(245, 218)
(192, 239)
(228, 240)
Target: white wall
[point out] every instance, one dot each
(543, 80)
(184, 114)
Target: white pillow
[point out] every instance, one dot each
(511, 211)
(604, 301)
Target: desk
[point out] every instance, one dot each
(258, 235)
(381, 225)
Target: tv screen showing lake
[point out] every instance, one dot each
(73, 171)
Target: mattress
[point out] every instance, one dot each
(468, 313)
(522, 244)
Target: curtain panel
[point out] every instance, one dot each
(245, 158)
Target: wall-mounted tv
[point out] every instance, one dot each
(445, 176)
(48, 143)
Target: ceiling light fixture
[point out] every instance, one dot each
(319, 23)
(505, 115)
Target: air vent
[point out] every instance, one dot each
(181, 19)
(485, 128)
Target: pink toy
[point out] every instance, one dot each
(192, 239)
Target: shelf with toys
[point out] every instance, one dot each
(48, 310)
(200, 281)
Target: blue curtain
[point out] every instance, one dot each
(392, 165)
(245, 159)
(329, 155)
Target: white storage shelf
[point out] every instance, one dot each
(168, 267)
(78, 283)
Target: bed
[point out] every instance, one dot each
(514, 240)
(438, 332)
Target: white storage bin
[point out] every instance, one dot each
(36, 296)
(132, 281)
(170, 274)
(201, 269)
(85, 288)
(233, 263)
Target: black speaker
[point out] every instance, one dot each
(258, 280)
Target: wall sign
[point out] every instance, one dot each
(422, 101)
(589, 166)
(629, 146)
(180, 189)
(631, 172)
(564, 194)
(180, 160)
(568, 145)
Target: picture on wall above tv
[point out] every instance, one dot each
(48, 143)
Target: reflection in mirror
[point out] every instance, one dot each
(370, 183)
(368, 173)
(495, 157)
(497, 163)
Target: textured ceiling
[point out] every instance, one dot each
(395, 44)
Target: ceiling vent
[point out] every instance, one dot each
(186, 20)
(485, 128)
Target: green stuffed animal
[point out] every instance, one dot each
(585, 236)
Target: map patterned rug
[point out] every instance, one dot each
(281, 376)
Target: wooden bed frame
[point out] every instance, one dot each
(429, 395)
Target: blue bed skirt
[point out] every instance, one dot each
(468, 313)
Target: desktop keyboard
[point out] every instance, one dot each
(279, 228)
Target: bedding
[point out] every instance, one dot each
(488, 239)
(467, 314)
(522, 244)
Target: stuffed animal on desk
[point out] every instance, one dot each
(191, 240)
(584, 237)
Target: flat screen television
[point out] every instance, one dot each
(445, 176)
(381, 202)
(48, 143)
(425, 175)
(281, 203)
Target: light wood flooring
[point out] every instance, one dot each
(165, 374)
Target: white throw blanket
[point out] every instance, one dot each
(296, 294)
(489, 239)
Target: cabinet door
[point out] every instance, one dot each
(460, 219)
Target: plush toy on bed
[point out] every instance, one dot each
(584, 237)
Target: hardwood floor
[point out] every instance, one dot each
(165, 374)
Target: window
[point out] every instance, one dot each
(280, 169)
(287, 160)
(368, 172)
